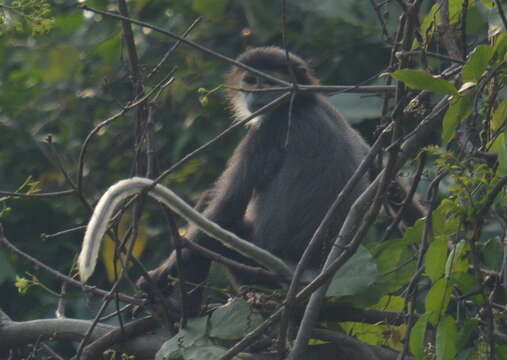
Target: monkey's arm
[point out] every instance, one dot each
(232, 192)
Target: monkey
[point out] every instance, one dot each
(281, 178)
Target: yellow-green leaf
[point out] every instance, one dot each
(500, 45)
(417, 337)
(422, 80)
(499, 116)
(457, 112)
(447, 334)
(477, 63)
(435, 258)
(500, 147)
(437, 299)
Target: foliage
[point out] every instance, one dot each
(34, 15)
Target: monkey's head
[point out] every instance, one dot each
(273, 61)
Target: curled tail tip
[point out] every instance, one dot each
(84, 274)
(85, 270)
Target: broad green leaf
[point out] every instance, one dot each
(380, 334)
(499, 116)
(394, 270)
(377, 334)
(477, 63)
(489, 3)
(417, 337)
(456, 113)
(422, 80)
(437, 299)
(492, 254)
(500, 147)
(447, 335)
(467, 283)
(456, 10)
(359, 272)
(435, 258)
(192, 335)
(456, 261)
(500, 46)
(413, 233)
(233, 320)
(428, 25)
(442, 224)
(390, 303)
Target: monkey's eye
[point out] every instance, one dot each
(250, 80)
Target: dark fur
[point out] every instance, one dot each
(272, 195)
(273, 59)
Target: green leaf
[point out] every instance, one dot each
(442, 224)
(418, 336)
(413, 234)
(233, 320)
(447, 335)
(500, 147)
(435, 258)
(437, 299)
(477, 63)
(492, 254)
(499, 116)
(359, 272)
(391, 258)
(422, 80)
(488, 3)
(428, 25)
(457, 262)
(456, 10)
(192, 335)
(500, 46)
(457, 112)
(467, 283)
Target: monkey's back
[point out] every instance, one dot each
(322, 154)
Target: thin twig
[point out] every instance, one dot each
(77, 284)
(174, 47)
(38, 195)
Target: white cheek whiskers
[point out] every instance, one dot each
(241, 112)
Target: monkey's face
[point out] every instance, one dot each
(257, 99)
